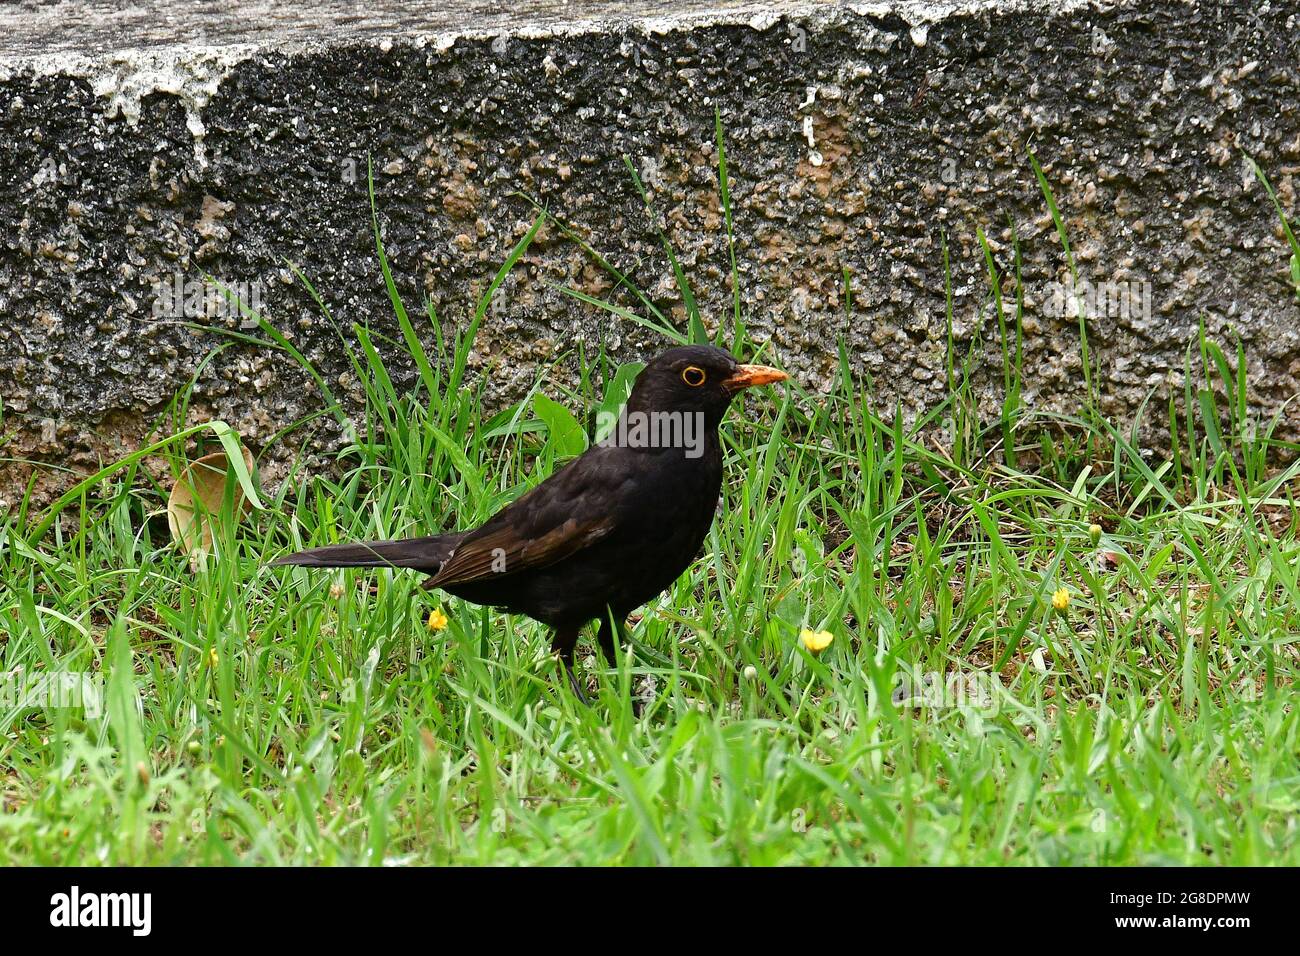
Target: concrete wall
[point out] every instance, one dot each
(141, 149)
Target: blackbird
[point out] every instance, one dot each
(606, 532)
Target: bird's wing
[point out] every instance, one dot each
(574, 508)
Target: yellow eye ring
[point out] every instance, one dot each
(693, 376)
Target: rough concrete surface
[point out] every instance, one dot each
(141, 147)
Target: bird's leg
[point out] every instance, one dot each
(605, 638)
(563, 641)
(611, 648)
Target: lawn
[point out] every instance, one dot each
(1047, 647)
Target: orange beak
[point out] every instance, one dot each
(747, 376)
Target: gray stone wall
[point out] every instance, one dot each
(141, 150)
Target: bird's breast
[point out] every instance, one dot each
(672, 525)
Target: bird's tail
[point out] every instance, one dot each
(424, 554)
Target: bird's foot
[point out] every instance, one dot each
(576, 686)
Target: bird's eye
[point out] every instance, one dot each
(693, 375)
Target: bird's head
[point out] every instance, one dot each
(696, 379)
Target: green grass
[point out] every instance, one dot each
(292, 716)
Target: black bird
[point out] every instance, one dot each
(610, 529)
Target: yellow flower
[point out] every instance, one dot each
(816, 640)
(1060, 599)
(437, 620)
(213, 657)
(1094, 532)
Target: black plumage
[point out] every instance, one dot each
(606, 532)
